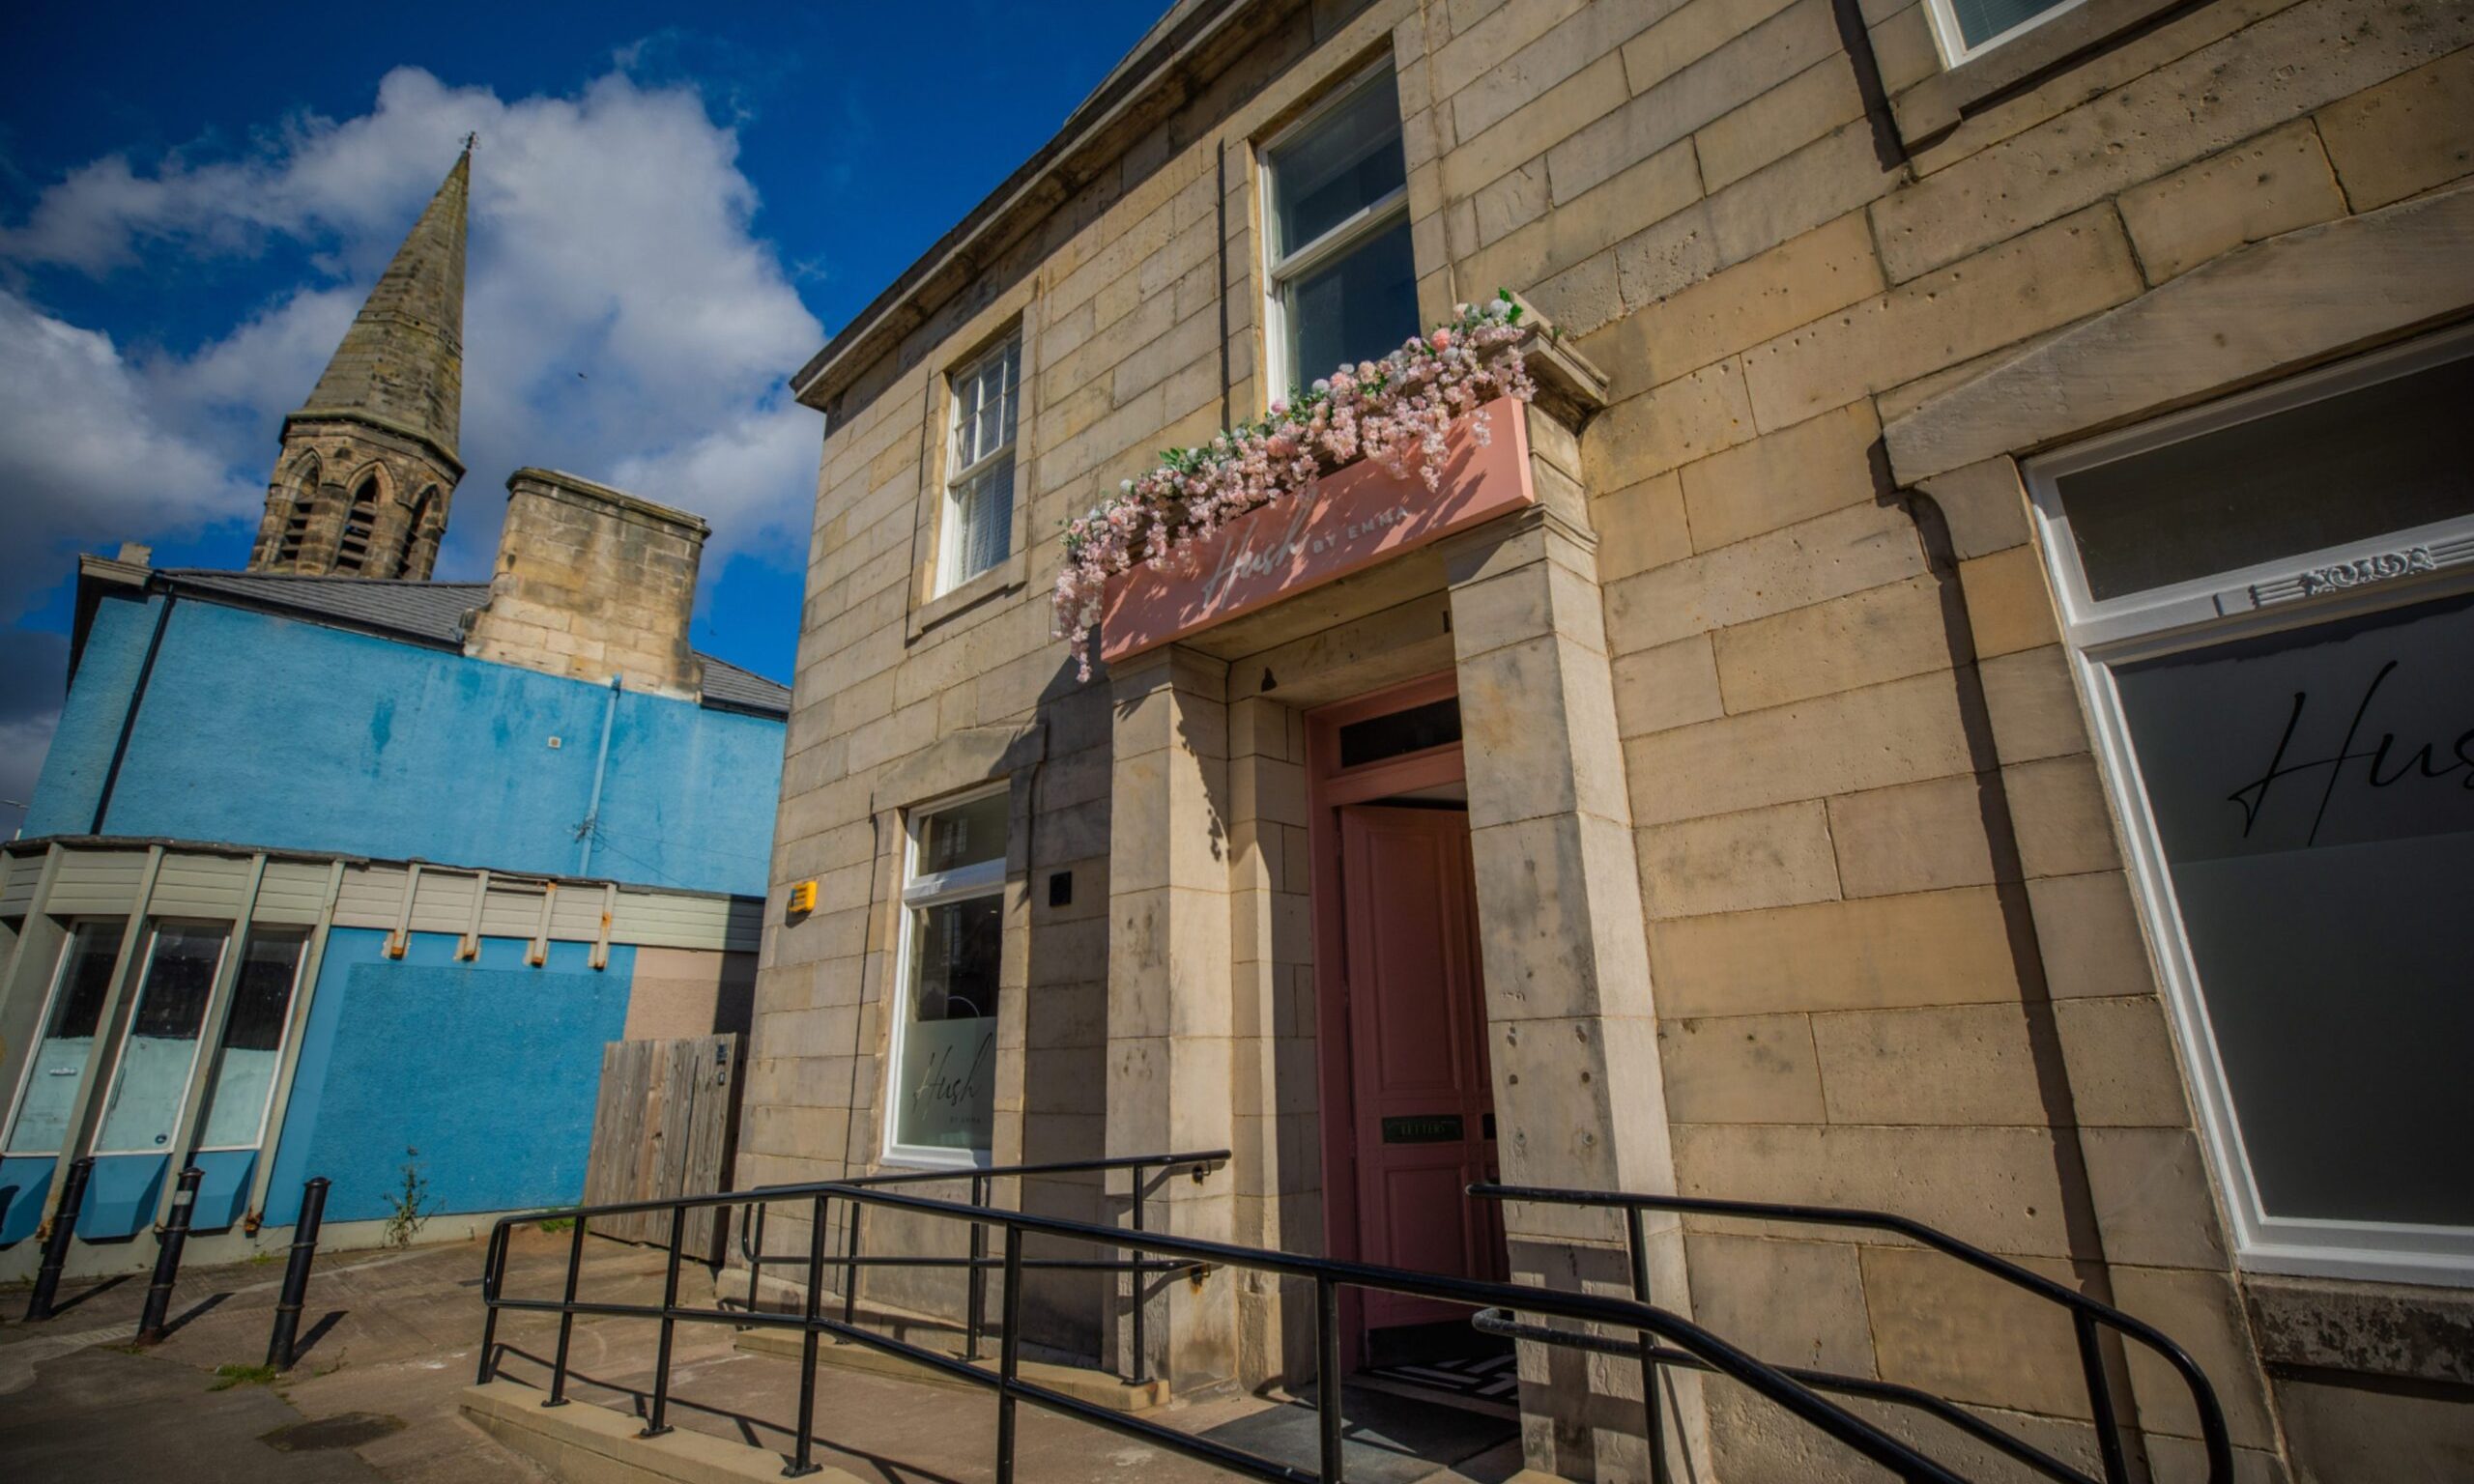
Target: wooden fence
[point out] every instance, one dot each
(663, 1127)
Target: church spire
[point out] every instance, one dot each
(369, 462)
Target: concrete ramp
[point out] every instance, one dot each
(587, 1444)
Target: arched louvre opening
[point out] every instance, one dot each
(423, 509)
(352, 551)
(296, 523)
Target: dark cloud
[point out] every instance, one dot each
(34, 674)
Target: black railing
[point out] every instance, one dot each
(751, 1239)
(1329, 1278)
(2087, 1317)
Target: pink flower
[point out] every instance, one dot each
(1441, 339)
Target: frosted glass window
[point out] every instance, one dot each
(253, 1033)
(1344, 280)
(978, 528)
(160, 1050)
(2311, 791)
(79, 987)
(944, 1095)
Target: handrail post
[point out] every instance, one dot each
(1009, 1353)
(2100, 1399)
(1327, 1377)
(567, 1314)
(1654, 1432)
(55, 1243)
(296, 1273)
(659, 1422)
(803, 1455)
(167, 1257)
(493, 1275)
(851, 1212)
(977, 1310)
(756, 1259)
(1141, 1299)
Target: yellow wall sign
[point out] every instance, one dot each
(803, 897)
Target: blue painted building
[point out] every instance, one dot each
(334, 871)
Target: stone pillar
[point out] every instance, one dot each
(1169, 1018)
(1572, 1027)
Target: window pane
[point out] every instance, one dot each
(1982, 20)
(2310, 792)
(1357, 309)
(947, 1091)
(984, 398)
(1400, 732)
(1348, 160)
(154, 1060)
(984, 514)
(964, 834)
(85, 978)
(252, 1039)
(2381, 458)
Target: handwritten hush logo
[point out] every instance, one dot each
(2425, 762)
(1298, 541)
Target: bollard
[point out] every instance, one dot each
(55, 1247)
(295, 1274)
(167, 1257)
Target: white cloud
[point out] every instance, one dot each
(622, 319)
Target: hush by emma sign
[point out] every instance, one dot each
(1273, 558)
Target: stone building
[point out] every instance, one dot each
(1886, 745)
(369, 466)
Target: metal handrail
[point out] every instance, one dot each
(2086, 1314)
(975, 1311)
(1328, 1275)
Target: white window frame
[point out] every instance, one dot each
(282, 1044)
(958, 480)
(34, 1043)
(1952, 42)
(2265, 598)
(1375, 217)
(983, 878)
(111, 1071)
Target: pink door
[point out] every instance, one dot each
(1417, 1052)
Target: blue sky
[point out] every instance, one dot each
(194, 201)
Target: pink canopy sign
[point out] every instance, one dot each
(1354, 519)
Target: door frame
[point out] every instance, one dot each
(1329, 786)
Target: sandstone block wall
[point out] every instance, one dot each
(1894, 957)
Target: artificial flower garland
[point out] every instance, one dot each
(1394, 411)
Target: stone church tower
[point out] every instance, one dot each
(370, 462)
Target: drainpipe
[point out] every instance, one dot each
(129, 717)
(600, 770)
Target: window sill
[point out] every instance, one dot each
(901, 1159)
(1936, 106)
(1007, 576)
(2370, 1328)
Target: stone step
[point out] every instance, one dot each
(1096, 1387)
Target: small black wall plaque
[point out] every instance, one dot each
(1422, 1129)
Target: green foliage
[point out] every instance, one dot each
(559, 1224)
(408, 1207)
(226, 1377)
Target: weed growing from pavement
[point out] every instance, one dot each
(408, 1207)
(226, 1377)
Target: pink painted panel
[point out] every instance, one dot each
(1355, 518)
